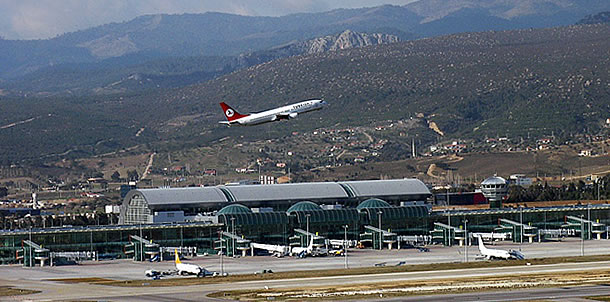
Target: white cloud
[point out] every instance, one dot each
(34, 19)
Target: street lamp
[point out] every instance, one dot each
(520, 226)
(589, 220)
(345, 244)
(233, 232)
(582, 236)
(380, 230)
(466, 240)
(307, 225)
(222, 271)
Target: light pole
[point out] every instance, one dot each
(30, 248)
(448, 216)
(307, 225)
(222, 271)
(233, 232)
(345, 244)
(582, 236)
(466, 240)
(589, 220)
(380, 230)
(520, 226)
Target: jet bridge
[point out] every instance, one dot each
(586, 228)
(232, 244)
(446, 234)
(301, 239)
(378, 237)
(32, 253)
(515, 229)
(141, 249)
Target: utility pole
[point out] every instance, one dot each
(233, 232)
(380, 230)
(520, 227)
(222, 271)
(589, 220)
(307, 220)
(582, 236)
(448, 216)
(345, 245)
(466, 240)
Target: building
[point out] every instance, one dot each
(156, 205)
(495, 189)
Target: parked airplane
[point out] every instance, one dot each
(498, 254)
(272, 115)
(189, 269)
(309, 250)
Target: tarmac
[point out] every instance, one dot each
(38, 278)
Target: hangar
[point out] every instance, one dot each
(180, 204)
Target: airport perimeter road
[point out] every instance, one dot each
(61, 291)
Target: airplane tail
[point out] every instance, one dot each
(230, 113)
(177, 258)
(481, 245)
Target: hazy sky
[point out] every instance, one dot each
(35, 19)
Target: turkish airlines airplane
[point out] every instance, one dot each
(277, 114)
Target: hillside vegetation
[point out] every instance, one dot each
(513, 83)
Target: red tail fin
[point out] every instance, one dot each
(230, 113)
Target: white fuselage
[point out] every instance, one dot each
(191, 269)
(497, 253)
(284, 112)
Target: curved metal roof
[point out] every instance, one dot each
(494, 180)
(373, 203)
(235, 208)
(369, 188)
(179, 195)
(294, 191)
(304, 206)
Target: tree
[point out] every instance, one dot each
(133, 175)
(3, 191)
(116, 176)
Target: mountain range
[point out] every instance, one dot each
(162, 40)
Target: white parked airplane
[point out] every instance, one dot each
(272, 115)
(490, 254)
(189, 269)
(309, 250)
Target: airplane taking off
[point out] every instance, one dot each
(490, 254)
(277, 114)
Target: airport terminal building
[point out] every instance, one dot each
(185, 204)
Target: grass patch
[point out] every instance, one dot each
(355, 271)
(11, 291)
(415, 288)
(599, 298)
